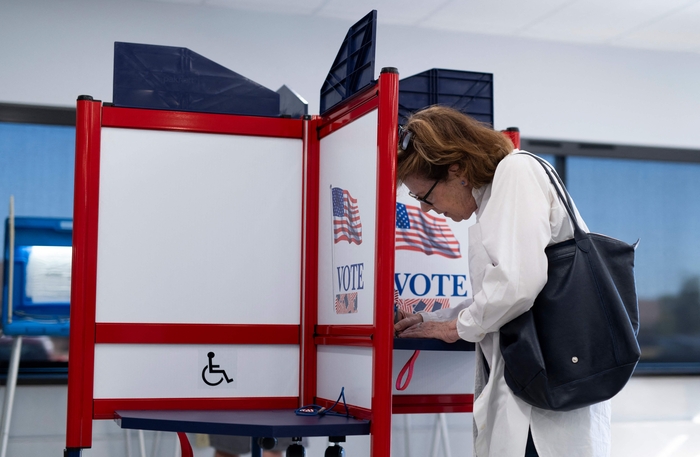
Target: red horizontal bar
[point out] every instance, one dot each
(419, 404)
(343, 341)
(351, 109)
(151, 119)
(344, 330)
(125, 333)
(105, 408)
(355, 411)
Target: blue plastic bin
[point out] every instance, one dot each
(174, 78)
(466, 91)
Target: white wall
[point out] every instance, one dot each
(51, 51)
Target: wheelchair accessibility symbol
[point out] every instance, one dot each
(212, 375)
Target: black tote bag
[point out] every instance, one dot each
(577, 345)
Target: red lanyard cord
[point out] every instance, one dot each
(407, 367)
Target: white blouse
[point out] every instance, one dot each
(518, 215)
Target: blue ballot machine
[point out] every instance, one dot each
(36, 277)
(37, 258)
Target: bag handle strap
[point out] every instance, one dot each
(566, 201)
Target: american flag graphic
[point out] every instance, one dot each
(346, 303)
(414, 305)
(346, 217)
(418, 231)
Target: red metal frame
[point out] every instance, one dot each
(344, 330)
(312, 162)
(84, 269)
(195, 334)
(384, 269)
(344, 341)
(352, 109)
(413, 404)
(136, 118)
(104, 408)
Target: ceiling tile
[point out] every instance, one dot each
(600, 21)
(499, 17)
(301, 7)
(648, 24)
(406, 12)
(180, 2)
(679, 32)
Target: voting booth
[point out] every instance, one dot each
(198, 261)
(211, 311)
(230, 267)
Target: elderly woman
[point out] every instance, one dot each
(455, 166)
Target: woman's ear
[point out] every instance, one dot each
(455, 171)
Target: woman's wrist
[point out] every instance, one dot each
(452, 333)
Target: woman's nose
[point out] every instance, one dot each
(425, 207)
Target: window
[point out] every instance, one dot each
(37, 151)
(648, 194)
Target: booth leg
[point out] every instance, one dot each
(436, 442)
(255, 449)
(127, 435)
(445, 435)
(142, 443)
(407, 434)
(185, 445)
(72, 452)
(10, 393)
(156, 443)
(440, 434)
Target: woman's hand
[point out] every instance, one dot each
(441, 330)
(404, 320)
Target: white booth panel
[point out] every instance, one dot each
(182, 371)
(348, 162)
(435, 372)
(199, 228)
(349, 367)
(426, 277)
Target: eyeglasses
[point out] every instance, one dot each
(424, 198)
(404, 137)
